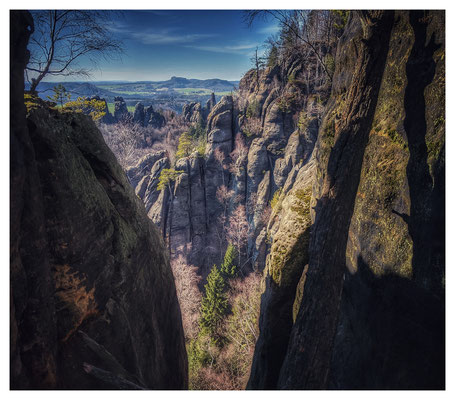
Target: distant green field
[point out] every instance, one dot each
(143, 90)
(188, 91)
(110, 87)
(131, 92)
(118, 89)
(223, 93)
(200, 91)
(111, 108)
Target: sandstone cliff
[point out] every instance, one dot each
(342, 182)
(369, 306)
(93, 301)
(190, 214)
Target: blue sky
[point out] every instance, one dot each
(199, 44)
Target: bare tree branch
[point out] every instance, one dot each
(63, 37)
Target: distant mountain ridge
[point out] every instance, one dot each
(76, 88)
(214, 84)
(172, 93)
(175, 82)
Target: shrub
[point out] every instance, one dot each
(253, 110)
(126, 142)
(216, 365)
(275, 198)
(200, 145)
(31, 101)
(185, 147)
(272, 58)
(330, 64)
(286, 102)
(167, 176)
(252, 126)
(95, 108)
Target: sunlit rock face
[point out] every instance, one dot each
(342, 184)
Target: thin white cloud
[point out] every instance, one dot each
(240, 48)
(168, 37)
(118, 27)
(269, 30)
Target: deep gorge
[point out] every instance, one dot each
(331, 190)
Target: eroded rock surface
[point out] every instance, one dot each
(93, 301)
(367, 312)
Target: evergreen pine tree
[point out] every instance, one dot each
(214, 303)
(185, 146)
(272, 59)
(228, 267)
(60, 95)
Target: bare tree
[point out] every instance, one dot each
(238, 156)
(125, 141)
(224, 196)
(252, 126)
(258, 63)
(220, 159)
(186, 283)
(313, 29)
(237, 229)
(62, 37)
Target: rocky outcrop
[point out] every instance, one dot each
(120, 109)
(333, 212)
(139, 114)
(148, 113)
(192, 112)
(93, 301)
(353, 167)
(156, 120)
(289, 232)
(147, 187)
(253, 173)
(195, 113)
(367, 312)
(153, 118)
(209, 105)
(144, 167)
(387, 256)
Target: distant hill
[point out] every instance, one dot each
(173, 93)
(109, 89)
(217, 85)
(75, 88)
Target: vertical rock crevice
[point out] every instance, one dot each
(307, 362)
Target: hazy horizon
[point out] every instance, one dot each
(89, 80)
(196, 44)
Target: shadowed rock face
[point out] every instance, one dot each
(369, 309)
(290, 228)
(120, 109)
(139, 114)
(93, 301)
